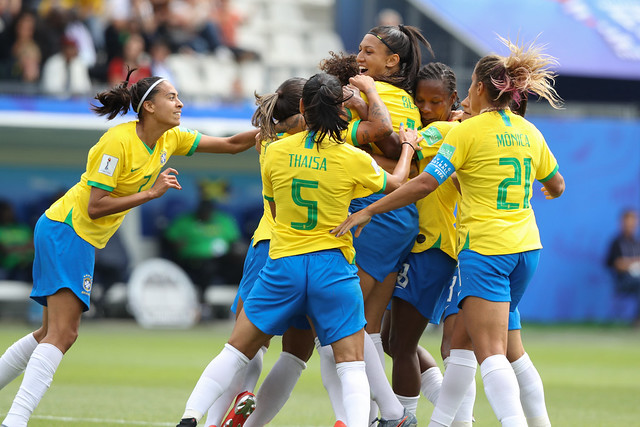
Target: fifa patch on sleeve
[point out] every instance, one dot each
(447, 151)
(108, 164)
(440, 168)
(431, 135)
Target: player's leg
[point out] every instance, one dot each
(407, 326)
(63, 319)
(245, 341)
(275, 390)
(529, 381)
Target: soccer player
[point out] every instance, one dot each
(496, 156)
(428, 269)
(123, 171)
(309, 178)
(277, 116)
(391, 55)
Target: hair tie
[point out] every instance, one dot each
(156, 83)
(385, 43)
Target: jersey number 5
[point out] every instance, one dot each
(515, 180)
(311, 205)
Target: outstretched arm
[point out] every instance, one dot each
(230, 144)
(410, 192)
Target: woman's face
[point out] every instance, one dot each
(466, 109)
(167, 107)
(474, 95)
(373, 57)
(434, 101)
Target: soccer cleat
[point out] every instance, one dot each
(244, 406)
(188, 422)
(407, 420)
(339, 424)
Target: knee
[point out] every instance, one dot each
(62, 339)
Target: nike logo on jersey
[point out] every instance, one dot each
(133, 170)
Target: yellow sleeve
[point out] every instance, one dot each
(105, 163)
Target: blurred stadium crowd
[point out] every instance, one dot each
(207, 47)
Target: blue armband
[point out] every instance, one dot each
(440, 168)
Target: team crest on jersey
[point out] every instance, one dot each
(447, 151)
(163, 157)
(87, 282)
(108, 164)
(431, 135)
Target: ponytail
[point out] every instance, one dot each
(277, 106)
(322, 98)
(121, 98)
(525, 70)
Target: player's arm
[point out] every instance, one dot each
(378, 125)
(272, 206)
(409, 192)
(230, 144)
(554, 187)
(411, 142)
(102, 203)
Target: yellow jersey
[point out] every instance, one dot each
(436, 212)
(265, 226)
(496, 155)
(312, 188)
(123, 165)
(401, 109)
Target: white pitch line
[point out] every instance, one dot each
(101, 421)
(104, 420)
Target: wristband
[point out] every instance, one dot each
(409, 144)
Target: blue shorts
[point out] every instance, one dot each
(254, 262)
(62, 260)
(322, 285)
(448, 304)
(385, 242)
(255, 259)
(423, 278)
(498, 278)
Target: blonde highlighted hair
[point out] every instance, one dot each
(525, 70)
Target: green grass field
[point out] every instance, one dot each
(120, 374)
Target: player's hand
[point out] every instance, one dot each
(363, 83)
(546, 193)
(165, 181)
(359, 219)
(411, 136)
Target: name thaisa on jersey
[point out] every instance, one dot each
(309, 162)
(510, 139)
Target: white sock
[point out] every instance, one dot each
(430, 384)
(244, 380)
(460, 372)
(381, 391)
(410, 403)
(355, 392)
(330, 380)
(276, 389)
(531, 392)
(501, 388)
(464, 416)
(14, 360)
(377, 342)
(38, 376)
(254, 369)
(215, 379)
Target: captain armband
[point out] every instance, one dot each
(440, 168)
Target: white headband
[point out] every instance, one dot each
(156, 83)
